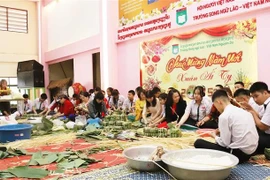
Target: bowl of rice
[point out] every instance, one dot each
(141, 158)
(199, 164)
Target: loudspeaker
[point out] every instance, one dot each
(30, 79)
(31, 65)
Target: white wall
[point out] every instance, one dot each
(69, 21)
(15, 47)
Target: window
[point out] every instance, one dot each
(13, 20)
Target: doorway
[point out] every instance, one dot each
(96, 70)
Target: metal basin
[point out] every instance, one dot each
(198, 171)
(137, 158)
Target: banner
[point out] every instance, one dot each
(140, 17)
(209, 56)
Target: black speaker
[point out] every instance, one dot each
(31, 65)
(30, 79)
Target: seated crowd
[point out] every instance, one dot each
(241, 120)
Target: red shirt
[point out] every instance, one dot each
(106, 103)
(67, 108)
(173, 108)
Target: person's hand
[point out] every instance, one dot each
(246, 106)
(178, 125)
(217, 132)
(200, 123)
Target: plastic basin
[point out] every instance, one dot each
(10, 133)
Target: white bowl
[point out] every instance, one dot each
(201, 170)
(137, 158)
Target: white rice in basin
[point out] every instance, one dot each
(203, 162)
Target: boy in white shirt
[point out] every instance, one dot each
(129, 103)
(261, 95)
(41, 104)
(237, 131)
(243, 96)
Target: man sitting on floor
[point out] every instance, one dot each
(237, 130)
(261, 95)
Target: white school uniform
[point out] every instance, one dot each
(119, 103)
(237, 130)
(204, 109)
(129, 104)
(266, 115)
(40, 105)
(259, 109)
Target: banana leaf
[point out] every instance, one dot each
(27, 172)
(40, 158)
(73, 164)
(5, 175)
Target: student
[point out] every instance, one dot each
(197, 109)
(109, 94)
(159, 121)
(239, 85)
(75, 100)
(27, 108)
(129, 103)
(82, 108)
(96, 107)
(66, 108)
(96, 90)
(237, 132)
(117, 100)
(151, 107)
(4, 90)
(214, 113)
(217, 87)
(139, 104)
(175, 106)
(242, 95)
(156, 90)
(169, 89)
(261, 95)
(40, 105)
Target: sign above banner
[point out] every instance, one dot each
(172, 14)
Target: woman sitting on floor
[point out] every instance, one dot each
(237, 131)
(66, 108)
(158, 122)
(197, 109)
(117, 100)
(139, 104)
(175, 107)
(82, 109)
(151, 107)
(97, 107)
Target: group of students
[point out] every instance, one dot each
(244, 128)
(241, 119)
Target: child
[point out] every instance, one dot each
(261, 95)
(40, 105)
(237, 132)
(129, 103)
(243, 96)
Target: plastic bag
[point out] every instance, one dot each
(80, 120)
(4, 120)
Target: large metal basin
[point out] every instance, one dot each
(204, 172)
(137, 158)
